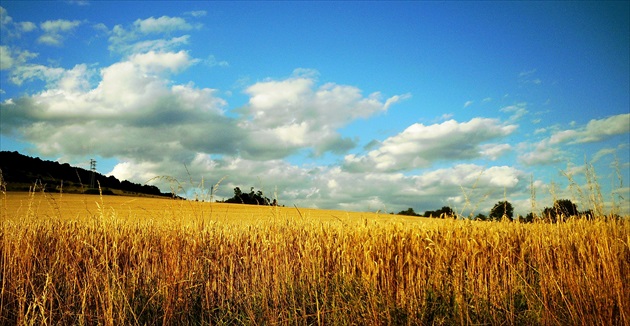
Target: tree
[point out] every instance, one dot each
(565, 207)
(443, 212)
(251, 198)
(529, 218)
(409, 212)
(481, 217)
(501, 209)
(562, 208)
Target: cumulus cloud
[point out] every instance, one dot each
(56, 30)
(549, 150)
(428, 191)
(22, 73)
(469, 175)
(158, 62)
(15, 60)
(419, 146)
(596, 130)
(291, 182)
(26, 27)
(494, 151)
(159, 45)
(133, 112)
(6, 58)
(332, 187)
(287, 115)
(541, 153)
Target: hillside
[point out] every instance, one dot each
(21, 173)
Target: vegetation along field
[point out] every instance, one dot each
(72, 259)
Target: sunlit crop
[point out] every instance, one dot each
(90, 260)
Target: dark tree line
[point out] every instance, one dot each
(562, 209)
(251, 198)
(20, 172)
(440, 213)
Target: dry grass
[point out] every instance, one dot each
(89, 260)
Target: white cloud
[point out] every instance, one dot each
(494, 151)
(284, 116)
(27, 26)
(59, 25)
(153, 127)
(540, 131)
(5, 19)
(159, 45)
(596, 130)
(143, 116)
(11, 29)
(445, 117)
(100, 27)
(395, 99)
(21, 71)
(138, 37)
(548, 151)
(419, 145)
(6, 60)
(331, 187)
(542, 153)
(212, 61)
(468, 103)
(516, 111)
(34, 71)
(603, 152)
(133, 112)
(164, 24)
(157, 62)
(196, 13)
(469, 175)
(55, 30)
(140, 172)
(307, 73)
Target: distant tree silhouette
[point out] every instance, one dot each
(408, 212)
(502, 209)
(529, 218)
(251, 198)
(21, 171)
(562, 209)
(443, 212)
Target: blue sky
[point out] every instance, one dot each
(351, 105)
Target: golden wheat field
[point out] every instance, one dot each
(113, 260)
